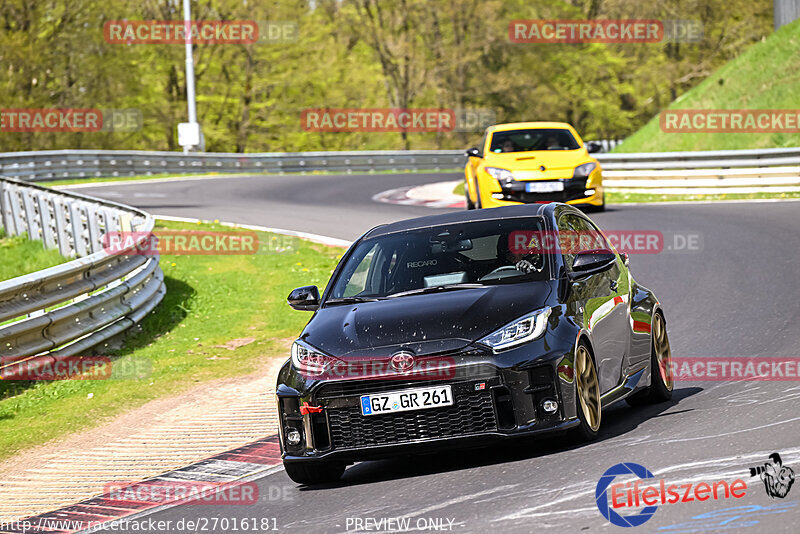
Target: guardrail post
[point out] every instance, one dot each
(30, 215)
(95, 240)
(62, 232)
(75, 217)
(47, 222)
(5, 209)
(16, 210)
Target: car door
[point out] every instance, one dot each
(603, 298)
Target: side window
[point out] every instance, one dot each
(598, 240)
(578, 234)
(594, 236)
(566, 229)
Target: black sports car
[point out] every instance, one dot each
(459, 329)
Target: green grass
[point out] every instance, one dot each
(21, 256)
(211, 300)
(72, 181)
(765, 76)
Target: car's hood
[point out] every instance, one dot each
(532, 161)
(426, 324)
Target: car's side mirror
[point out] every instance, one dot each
(593, 146)
(304, 298)
(473, 153)
(588, 262)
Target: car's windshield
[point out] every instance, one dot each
(436, 258)
(533, 139)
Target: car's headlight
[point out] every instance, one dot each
(583, 171)
(499, 174)
(526, 328)
(309, 361)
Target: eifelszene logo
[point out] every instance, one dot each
(611, 498)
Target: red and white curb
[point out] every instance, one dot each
(436, 195)
(221, 471)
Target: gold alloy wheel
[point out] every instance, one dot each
(587, 387)
(663, 353)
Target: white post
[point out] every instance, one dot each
(189, 134)
(187, 19)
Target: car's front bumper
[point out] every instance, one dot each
(492, 403)
(580, 191)
(430, 445)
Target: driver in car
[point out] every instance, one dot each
(552, 142)
(508, 146)
(522, 258)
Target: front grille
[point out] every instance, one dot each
(573, 189)
(472, 413)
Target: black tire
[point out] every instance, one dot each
(659, 390)
(478, 204)
(591, 208)
(602, 207)
(585, 432)
(470, 205)
(309, 474)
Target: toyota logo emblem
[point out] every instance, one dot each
(402, 361)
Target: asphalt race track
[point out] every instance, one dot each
(737, 294)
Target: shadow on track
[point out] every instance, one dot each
(617, 421)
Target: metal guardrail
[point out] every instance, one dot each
(766, 157)
(61, 164)
(774, 169)
(71, 308)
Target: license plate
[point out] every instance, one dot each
(543, 187)
(406, 400)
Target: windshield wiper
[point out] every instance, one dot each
(434, 289)
(350, 300)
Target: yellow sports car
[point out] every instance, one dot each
(527, 162)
